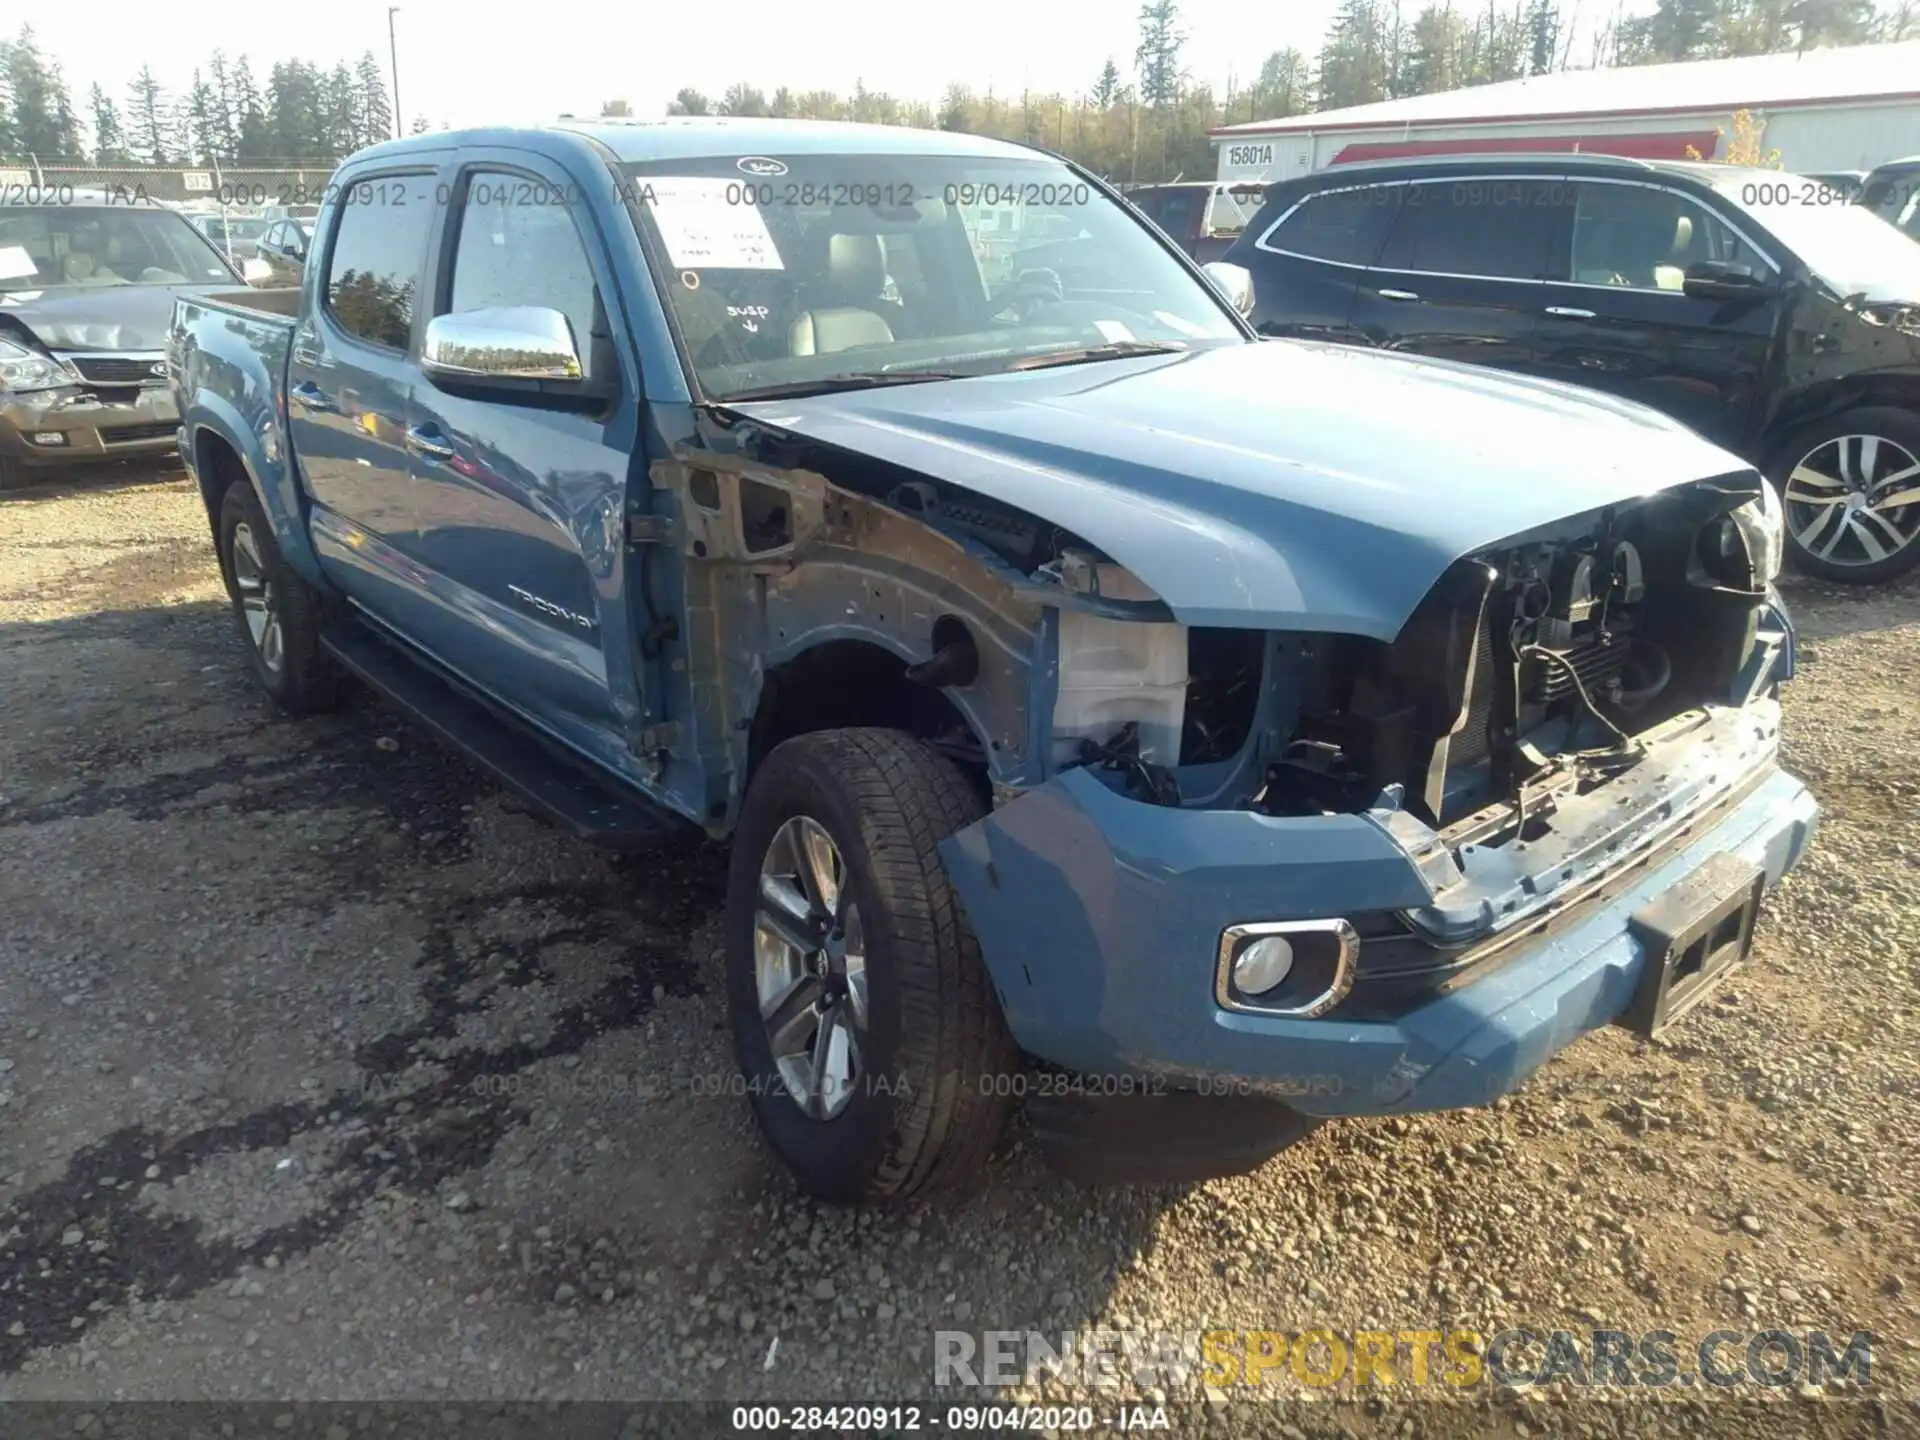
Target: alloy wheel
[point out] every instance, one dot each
(810, 968)
(257, 599)
(1854, 499)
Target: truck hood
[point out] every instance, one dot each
(1278, 485)
(98, 317)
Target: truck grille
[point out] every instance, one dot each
(120, 369)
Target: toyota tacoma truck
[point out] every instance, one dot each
(1192, 736)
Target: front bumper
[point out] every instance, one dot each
(91, 428)
(1099, 919)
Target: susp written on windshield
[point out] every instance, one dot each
(787, 271)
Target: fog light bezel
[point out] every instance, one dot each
(48, 439)
(1235, 937)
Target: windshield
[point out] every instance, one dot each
(49, 246)
(1844, 244)
(821, 268)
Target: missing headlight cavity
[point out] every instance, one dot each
(1223, 693)
(766, 523)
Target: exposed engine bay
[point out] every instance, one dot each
(1529, 671)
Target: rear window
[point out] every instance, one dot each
(373, 274)
(1346, 226)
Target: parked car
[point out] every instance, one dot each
(235, 236)
(1193, 736)
(87, 285)
(283, 248)
(1892, 192)
(1203, 217)
(1754, 306)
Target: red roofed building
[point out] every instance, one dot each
(1824, 110)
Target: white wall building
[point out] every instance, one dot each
(1842, 109)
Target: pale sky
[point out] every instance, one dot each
(478, 62)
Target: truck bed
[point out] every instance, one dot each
(281, 302)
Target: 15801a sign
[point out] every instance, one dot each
(1242, 157)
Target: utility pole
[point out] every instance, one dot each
(393, 53)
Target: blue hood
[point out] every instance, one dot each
(1276, 485)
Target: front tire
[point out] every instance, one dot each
(278, 613)
(1851, 487)
(864, 1022)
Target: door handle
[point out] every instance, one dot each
(1396, 295)
(428, 441)
(1568, 312)
(311, 396)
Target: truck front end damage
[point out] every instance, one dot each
(1392, 876)
(1307, 787)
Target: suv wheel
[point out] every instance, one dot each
(1851, 486)
(867, 1032)
(277, 612)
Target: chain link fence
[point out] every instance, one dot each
(252, 187)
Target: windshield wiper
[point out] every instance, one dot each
(1117, 350)
(795, 389)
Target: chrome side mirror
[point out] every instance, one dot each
(1232, 281)
(509, 342)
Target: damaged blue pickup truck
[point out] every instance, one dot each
(1192, 736)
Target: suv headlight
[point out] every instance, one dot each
(23, 369)
(1762, 523)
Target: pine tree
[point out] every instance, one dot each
(376, 113)
(1107, 88)
(252, 133)
(1436, 54)
(339, 113)
(109, 136)
(222, 138)
(202, 128)
(1543, 37)
(1676, 30)
(1355, 64)
(149, 119)
(1158, 58)
(39, 111)
(1283, 85)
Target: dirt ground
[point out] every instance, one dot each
(326, 1073)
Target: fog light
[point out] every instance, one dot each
(47, 439)
(1262, 965)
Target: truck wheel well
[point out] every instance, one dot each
(845, 683)
(216, 465)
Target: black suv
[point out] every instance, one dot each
(1760, 308)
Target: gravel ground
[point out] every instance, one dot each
(327, 1074)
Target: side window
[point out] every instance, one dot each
(518, 246)
(1343, 225)
(373, 274)
(1494, 229)
(1644, 238)
(1176, 213)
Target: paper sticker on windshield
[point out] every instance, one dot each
(704, 231)
(16, 263)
